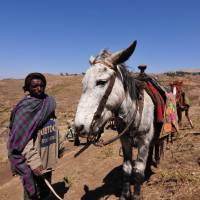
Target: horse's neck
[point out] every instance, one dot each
(128, 98)
(180, 99)
(127, 108)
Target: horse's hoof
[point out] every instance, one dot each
(122, 198)
(125, 197)
(136, 197)
(138, 176)
(76, 142)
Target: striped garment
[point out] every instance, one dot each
(27, 117)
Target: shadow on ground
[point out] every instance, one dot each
(112, 186)
(60, 189)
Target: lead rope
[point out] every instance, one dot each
(124, 131)
(99, 110)
(93, 139)
(101, 143)
(139, 106)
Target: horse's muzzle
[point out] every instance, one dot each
(80, 131)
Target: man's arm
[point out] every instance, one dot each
(33, 159)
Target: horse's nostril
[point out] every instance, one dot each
(79, 128)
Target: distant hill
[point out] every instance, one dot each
(190, 70)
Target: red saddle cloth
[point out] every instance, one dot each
(157, 100)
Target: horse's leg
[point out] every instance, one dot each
(158, 128)
(76, 140)
(187, 116)
(150, 161)
(140, 163)
(127, 167)
(179, 113)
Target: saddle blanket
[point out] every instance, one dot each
(165, 107)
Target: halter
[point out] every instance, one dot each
(94, 139)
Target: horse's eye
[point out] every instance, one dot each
(101, 82)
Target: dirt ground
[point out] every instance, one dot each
(97, 172)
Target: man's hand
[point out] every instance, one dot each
(38, 171)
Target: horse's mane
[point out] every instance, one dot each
(127, 77)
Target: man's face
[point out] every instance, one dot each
(37, 88)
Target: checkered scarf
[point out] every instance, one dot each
(26, 118)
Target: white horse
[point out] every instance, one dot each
(109, 89)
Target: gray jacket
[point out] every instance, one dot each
(45, 148)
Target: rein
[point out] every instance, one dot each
(123, 132)
(139, 107)
(94, 139)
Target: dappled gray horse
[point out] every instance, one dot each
(109, 89)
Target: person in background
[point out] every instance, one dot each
(71, 134)
(34, 142)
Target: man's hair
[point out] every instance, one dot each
(32, 76)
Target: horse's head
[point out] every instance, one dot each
(176, 88)
(102, 91)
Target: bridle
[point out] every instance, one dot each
(95, 138)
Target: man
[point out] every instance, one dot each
(34, 143)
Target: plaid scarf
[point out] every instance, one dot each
(27, 117)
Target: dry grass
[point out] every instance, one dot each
(177, 177)
(107, 152)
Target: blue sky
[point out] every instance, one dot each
(60, 35)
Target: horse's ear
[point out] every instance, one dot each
(91, 60)
(123, 55)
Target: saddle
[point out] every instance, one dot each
(155, 91)
(165, 103)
